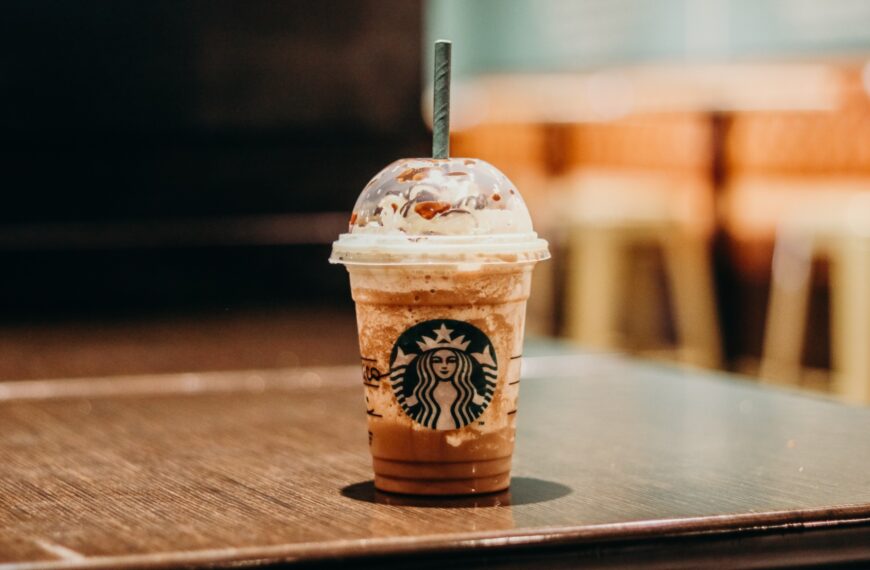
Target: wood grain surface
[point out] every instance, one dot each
(272, 467)
(165, 344)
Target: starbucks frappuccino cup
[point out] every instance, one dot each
(440, 254)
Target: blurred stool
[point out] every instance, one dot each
(641, 182)
(834, 225)
(608, 213)
(799, 178)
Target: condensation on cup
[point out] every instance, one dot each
(440, 254)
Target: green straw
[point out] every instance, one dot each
(441, 101)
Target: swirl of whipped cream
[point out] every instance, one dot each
(440, 197)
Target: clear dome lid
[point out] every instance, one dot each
(423, 210)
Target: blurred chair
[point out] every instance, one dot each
(635, 183)
(832, 223)
(808, 176)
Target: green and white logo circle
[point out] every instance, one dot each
(443, 373)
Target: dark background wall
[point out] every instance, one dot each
(167, 154)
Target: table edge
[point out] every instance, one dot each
(766, 523)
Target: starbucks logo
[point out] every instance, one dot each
(443, 373)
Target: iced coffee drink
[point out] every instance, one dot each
(440, 254)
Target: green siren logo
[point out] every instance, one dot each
(443, 373)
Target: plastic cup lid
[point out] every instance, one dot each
(423, 210)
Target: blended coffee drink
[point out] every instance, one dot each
(440, 254)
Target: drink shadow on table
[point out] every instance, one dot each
(523, 491)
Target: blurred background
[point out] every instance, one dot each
(173, 174)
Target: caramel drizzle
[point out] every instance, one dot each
(412, 174)
(429, 210)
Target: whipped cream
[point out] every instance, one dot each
(456, 196)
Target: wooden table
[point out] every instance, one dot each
(618, 462)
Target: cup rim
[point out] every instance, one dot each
(400, 249)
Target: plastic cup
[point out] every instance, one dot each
(440, 255)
